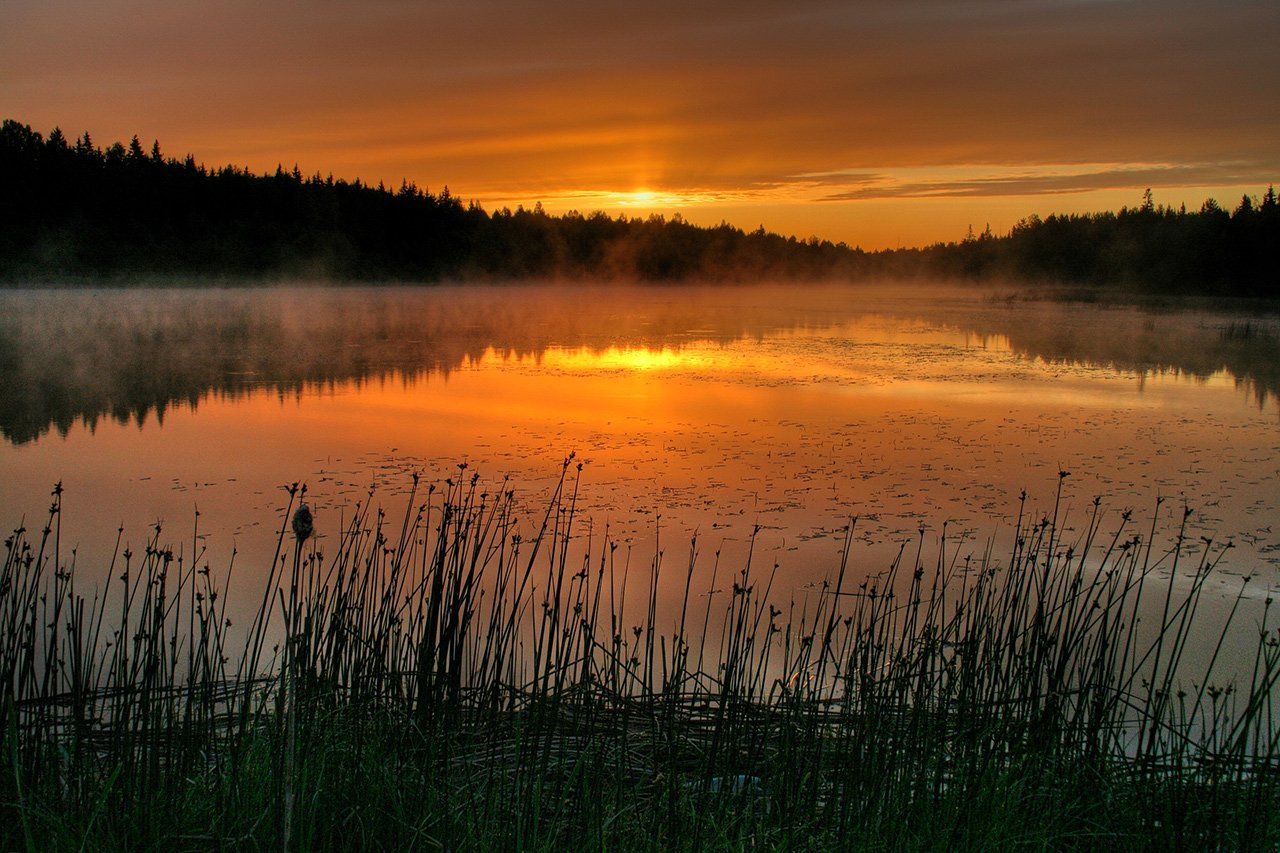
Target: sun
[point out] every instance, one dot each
(638, 198)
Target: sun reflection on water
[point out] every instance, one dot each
(640, 358)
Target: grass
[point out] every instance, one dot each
(448, 679)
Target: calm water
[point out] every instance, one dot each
(712, 409)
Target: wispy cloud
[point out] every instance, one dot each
(757, 106)
(983, 181)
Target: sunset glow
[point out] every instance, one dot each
(879, 124)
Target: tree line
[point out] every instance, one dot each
(1148, 248)
(72, 210)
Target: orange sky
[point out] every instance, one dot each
(880, 122)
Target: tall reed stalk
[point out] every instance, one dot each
(450, 678)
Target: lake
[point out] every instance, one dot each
(693, 409)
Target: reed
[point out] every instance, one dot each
(452, 678)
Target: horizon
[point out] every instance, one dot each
(625, 213)
(857, 125)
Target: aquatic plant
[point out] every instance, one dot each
(454, 678)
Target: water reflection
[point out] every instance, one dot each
(717, 410)
(76, 356)
(695, 409)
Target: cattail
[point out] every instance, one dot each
(302, 523)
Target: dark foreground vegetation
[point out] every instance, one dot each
(74, 211)
(436, 681)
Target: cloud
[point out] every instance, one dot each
(692, 101)
(1043, 181)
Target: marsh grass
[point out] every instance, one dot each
(441, 679)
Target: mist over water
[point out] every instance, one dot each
(694, 409)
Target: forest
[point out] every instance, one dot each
(74, 212)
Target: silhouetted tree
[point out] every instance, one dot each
(81, 212)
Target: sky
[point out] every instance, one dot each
(877, 122)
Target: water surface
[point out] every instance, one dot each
(693, 408)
